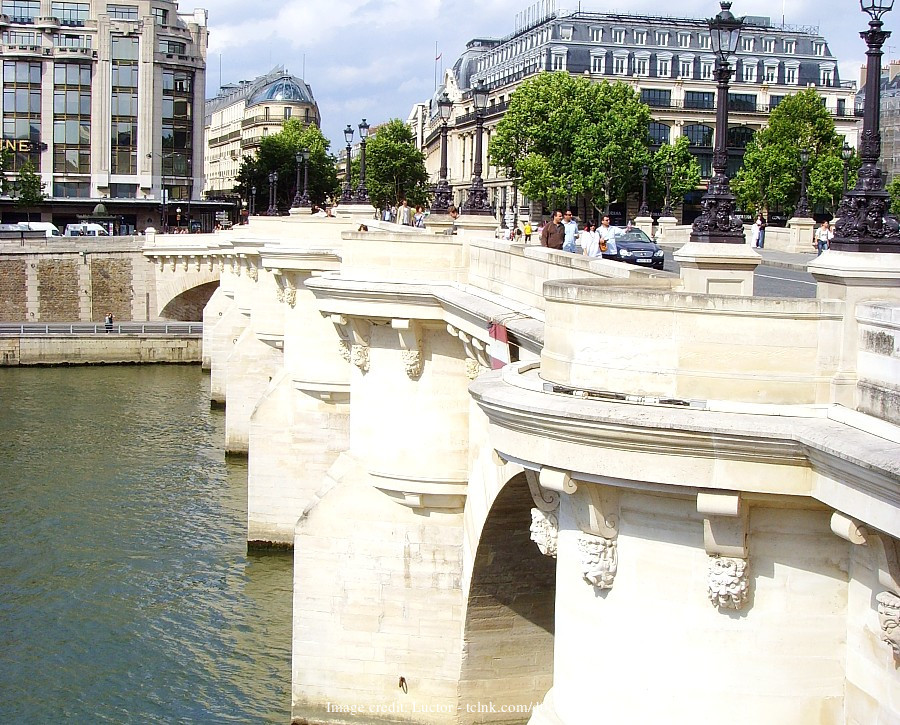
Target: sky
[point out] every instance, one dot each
(375, 59)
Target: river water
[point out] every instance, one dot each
(126, 592)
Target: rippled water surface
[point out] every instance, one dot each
(126, 593)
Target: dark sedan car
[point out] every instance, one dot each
(635, 247)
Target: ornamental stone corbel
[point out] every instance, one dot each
(252, 270)
(342, 327)
(725, 533)
(173, 262)
(477, 359)
(597, 510)
(887, 559)
(544, 516)
(410, 332)
(285, 290)
(359, 343)
(599, 560)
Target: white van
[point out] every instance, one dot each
(49, 229)
(86, 229)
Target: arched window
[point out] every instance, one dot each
(739, 137)
(699, 134)
(659, 133)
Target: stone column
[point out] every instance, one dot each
(301, 424)
(378, 605)
(801, 234)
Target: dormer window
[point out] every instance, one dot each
(618, 36)
(819, 48)
(790, 46)
(662, 38)
(747, 45)
(596, 34)
(640, 37)
(565, 32)
(684, 40)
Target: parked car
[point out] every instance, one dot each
(635, 247)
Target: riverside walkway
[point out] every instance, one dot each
(181, 329)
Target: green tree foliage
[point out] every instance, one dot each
(894, 190)
(395, 168)
(566, 135)
(278, 152)
(770, 175)
(685, 173)
(31, 189)
(6, 162)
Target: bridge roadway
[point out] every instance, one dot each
(674, 482)
(180, 329)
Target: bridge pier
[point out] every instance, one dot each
(378, 604)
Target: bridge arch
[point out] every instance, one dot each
(183, 295)
(510, 609)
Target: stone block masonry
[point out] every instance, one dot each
(12, 289)
(97, 349)
(58, 289)
(111, 287)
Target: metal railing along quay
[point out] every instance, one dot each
(181, 329)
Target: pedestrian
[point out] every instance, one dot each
(607, 238)
(404, 214)
(554, 234)
(419, 218)
(822, 237)
(518, 236)
(527, 231)
(571, 232)
(108, 322)
(759, 232)
(590, 240)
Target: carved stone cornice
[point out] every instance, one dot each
(353, 334)
(477, 358)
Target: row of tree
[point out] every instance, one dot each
(565, 135)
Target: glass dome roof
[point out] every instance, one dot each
(283, 90)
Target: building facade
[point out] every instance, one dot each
(242, 114)
(669, 61)
(103, 99)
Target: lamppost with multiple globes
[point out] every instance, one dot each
(477, 202)
(846, 155)
(298, 157)
(667, 203)
(644, 210)
(717, 222)
(304, 198)
(347, 194)
(802, 210)
(865, 223)
(273, 194)
(362, 193)
(443, 194)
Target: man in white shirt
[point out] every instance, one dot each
(607, 238)
(571, 229)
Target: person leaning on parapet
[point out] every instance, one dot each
(108, 322)
(759, 232)
(822, 237)
(553, 235)
(607, 239)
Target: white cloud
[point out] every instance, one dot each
(375, 58)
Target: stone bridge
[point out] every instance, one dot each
(673, 502)
(73, 279)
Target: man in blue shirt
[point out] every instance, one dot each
(571, 228)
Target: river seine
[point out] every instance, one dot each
(126, 592)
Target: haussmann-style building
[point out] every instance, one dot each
(668, 60)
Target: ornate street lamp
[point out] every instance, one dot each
(273, 194)
(362, 193)
(667, 204)
(511, 175)
(304, 198)
(644, 210)
(443, 194)
(846, 155)
(298, 157)
(347, 195)
(252, 200)
(802, 209)
(717, 222)
(477, 203)
(865, 224)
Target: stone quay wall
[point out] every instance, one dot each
(97, 349)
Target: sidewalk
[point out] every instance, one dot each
(771, 257)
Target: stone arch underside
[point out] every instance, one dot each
(509, 627)
(188, 305)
